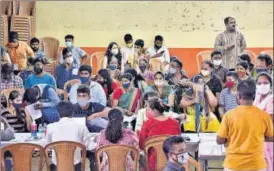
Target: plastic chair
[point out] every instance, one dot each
(64, 151)
(4, 29)
(117, 156)
(69, 83)
(99, 56)
(201, 56)
(156, 142)
(155, 65)
(6, 92)
(22, 25)
(87, 61)
(269, 52)
(6, 7)
(22, 155)
(23, 8)
(50, 45)
(193, 162)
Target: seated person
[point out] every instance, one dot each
(15, 114)
(67, 70)
(139, 53)
(138, 80)
(67, 129)
(165, 91)
(242, 71)
(159, 51)
(8, 78)
(208, 121)
(143, 67)
(40, 76)
(7, 132)
(127, 52)
(35, 46)
(5, 57)
(116, 134)
(25, 73)
(175, 150)
(157, 125)
(44, 98)
(218, 69)
(112, 67)
(264, 63)
(97, 91)
(94, 112)
(175, 72)
(246, 58)
(113, 51)
(228, 97)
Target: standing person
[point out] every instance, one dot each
(159, 51)
(231, 43)
(139, 51)
(40, 76)
(8, 78)
(175, 150)
(5, 57)
(35, 46)
(264, 101)
(219, 69)
(19, 51)
(113, 50)
(78, 54)
(244, 131)
(127, 51)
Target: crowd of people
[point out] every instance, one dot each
(127, 102)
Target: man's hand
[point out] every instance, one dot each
(38, 106)
(93, 116)
(229, 47)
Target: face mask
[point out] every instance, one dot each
(159, 82)
(69, 44)
(261, 70)
(182, 158)
(84, 80)
(157, 47)
(69, 60)
(172, 70)
(143, 68)
(112, 67)
(229, 84)
(37, 70)
(263, 89)
(126, 85)
(17, 105)
(205, 73)
(35, 49)
(217, 62)
(241, 74)
(129, 45)
(82, 102)
(114, 51)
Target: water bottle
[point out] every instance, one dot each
(33, 130)
(41, 130)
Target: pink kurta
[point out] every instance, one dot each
(266, 105)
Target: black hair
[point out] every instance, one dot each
(244, 64)
(114, 130)
(34, 40)
(7, 69)
(150, 94)
(216, 52)
(175, 59)
(137, 77)
(12, 96)
(159, 37)
(83, 89)
(189, 92)
(13, 35)
(157, 103)
(65, 51)
(105, 74)
(31, 95)
(232, 74)
(208, 62)
(85, 68)
(227, 19)
(245, 57)
(42, 60)
(197, 78)
(266, 58)
(268, 76)
(69, 36)
(169, 142)
(65, 109)
(128, 37)
(247, 89)
(140, 42)
(159, 72)
(127, 76)
(108, 54)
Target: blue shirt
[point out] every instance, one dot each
(45, 79)
(173, 167)
(228, 100)
(63, 75)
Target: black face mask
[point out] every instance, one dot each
(37, 70)
(157, 47)
(35, 49)
(259, 70)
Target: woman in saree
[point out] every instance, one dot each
(127, 97)
(264, 101)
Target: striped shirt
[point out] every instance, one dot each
(13, 120)
(228, 100)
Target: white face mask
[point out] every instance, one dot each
(172, 70)
(114, 51)
(159, 82)
(69, 60)
(68, 44)
(183, 158)
(205, 73)
(263, 89)
(82, 102)
(217, 62)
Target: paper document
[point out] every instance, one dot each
(35, 114)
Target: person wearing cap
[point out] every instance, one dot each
(9, 79)
(19, 51)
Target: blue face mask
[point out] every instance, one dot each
(112, 67)
(84, 80)
(126, 85)
(17, 105)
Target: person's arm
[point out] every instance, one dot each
(29, 52)
(53, 82)
(73, 94)
(139, 121)
(116, 95)
(53, 99)
(243, 43)
(143, 135)
(167, 55)
(100, 94)
(212, 100)
(221, 104)
(6, 58)
(83, 54)
(219, 45)
(104, 113)
(8, 133)
(222, 134)
(269, 129)
(171, 99)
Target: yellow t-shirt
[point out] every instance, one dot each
(245, 128)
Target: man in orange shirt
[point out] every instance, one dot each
(19, 51)
(244, 130)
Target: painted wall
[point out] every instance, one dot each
(186, 26)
